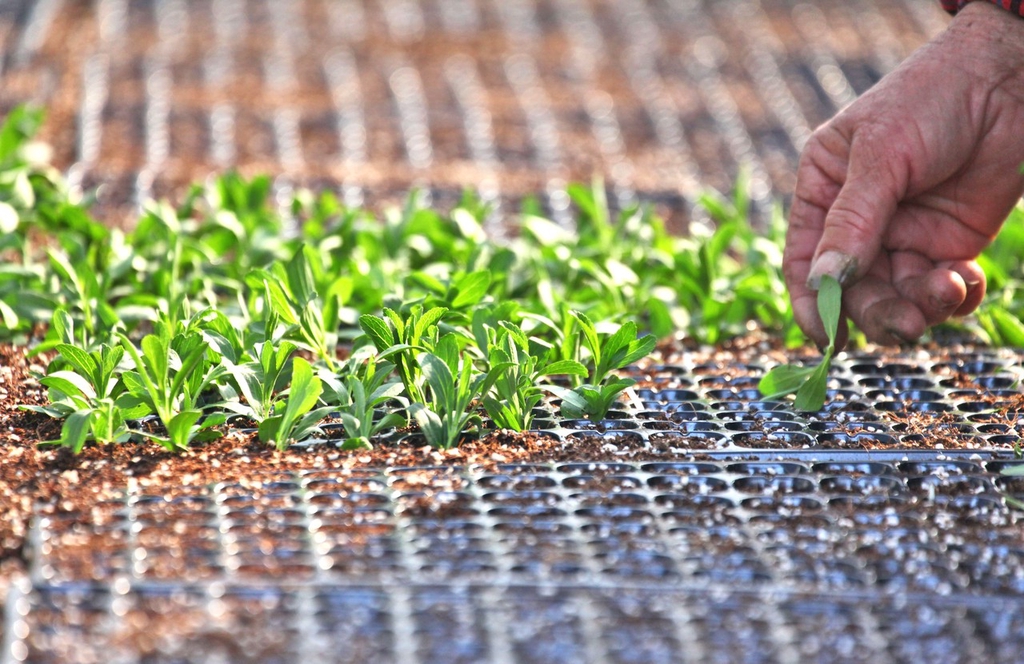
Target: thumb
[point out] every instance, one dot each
(852, 234)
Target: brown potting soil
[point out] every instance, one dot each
(76, 487)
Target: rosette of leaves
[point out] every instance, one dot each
(402, 339)
(85, 391)
(452, 384)
(357, 396)
(615, 351)
(170, 375)
(517, 390)
(294, 417)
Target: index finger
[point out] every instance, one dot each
(814, 195)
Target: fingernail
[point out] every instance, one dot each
(835, 264)
(898, 336)
(939, 304)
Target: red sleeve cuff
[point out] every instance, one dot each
(1013, 6)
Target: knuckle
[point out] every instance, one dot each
(851, 223)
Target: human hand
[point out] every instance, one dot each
(899, 193)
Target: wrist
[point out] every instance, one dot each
(988, 41)
(953, 6)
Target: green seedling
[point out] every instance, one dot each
(403, 339)
(170, 375)
(458, 294)
(452, 385)
(294, 417)
(89, 397)
(591, 401)
(258, 381)
(290, 291)
(356, 398)
(809, 383)
(614, 351)
(517, 390)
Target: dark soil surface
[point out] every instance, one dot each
(74, 489)
(72, 486)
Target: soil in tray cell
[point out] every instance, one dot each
(435, 505)
(85, 553)
(548, 561)
(419, 479)
(517, 482)
(727, 565)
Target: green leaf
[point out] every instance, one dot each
(471, 288)
(305, 388)
(157, 358)
(621, 339)
(22, 191)
(9, 316)
(431, 426)
(811, 395)
(75, 430)
(303, 394)
(378, 331)
(561, 367)
(278, 301)
(428, 319)
(132, 407)
(589, 333)
(268, 429)
(574, 405)
(783, 380)
(83, 363)
(1016, 470)
(135, 384)
(300, 276)
(830, 304)
(60, 263)
(638, 349)
(440, 379)
(660, 318)
(179, 428)
(1010, 328)
(70, 383)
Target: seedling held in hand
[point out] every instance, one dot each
(809, 383)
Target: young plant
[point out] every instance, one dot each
(170, 375)
(810, 383)
(293, 417)
(257, 381)
(404, 339)
(86, 397)
(615, 351)
(356, 396)
(591, 401)
(517, 390)
(291, 292)
(453, 385)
